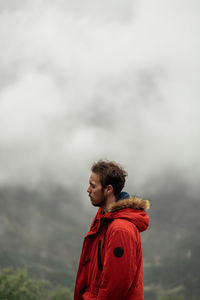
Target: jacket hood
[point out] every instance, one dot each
(132, 209)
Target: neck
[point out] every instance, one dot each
(108, 201)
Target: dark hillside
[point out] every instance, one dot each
(44, 229)
(171, 245)
(41, 228)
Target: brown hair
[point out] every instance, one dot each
(110, 173)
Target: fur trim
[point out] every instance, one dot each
(132, 202)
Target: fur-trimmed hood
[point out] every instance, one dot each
(131, 209)
(132, 202)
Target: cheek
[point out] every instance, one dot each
(95, 192)
(99, 193)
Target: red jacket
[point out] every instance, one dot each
(111, 266)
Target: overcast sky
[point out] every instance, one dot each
(83, 80)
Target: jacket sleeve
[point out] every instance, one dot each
(120, 265)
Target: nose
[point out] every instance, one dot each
(88, 190)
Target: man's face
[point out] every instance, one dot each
(95, 190)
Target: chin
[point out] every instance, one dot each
(94, 204)
(99, 204)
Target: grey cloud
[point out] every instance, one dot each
(114, 11)
(10, 5)
(73, 89)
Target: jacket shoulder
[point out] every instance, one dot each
(118, 225)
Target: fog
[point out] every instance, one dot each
(86, 80)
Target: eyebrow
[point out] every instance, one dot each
(91, 182)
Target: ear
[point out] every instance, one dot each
(109, 189)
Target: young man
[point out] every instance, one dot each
(110, 266)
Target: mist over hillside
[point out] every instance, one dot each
(41, 228)
(44, 228)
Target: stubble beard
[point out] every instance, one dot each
(100, 203)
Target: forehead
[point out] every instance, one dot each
(94, 178)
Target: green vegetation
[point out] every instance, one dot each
(62, 294)
(16, 285)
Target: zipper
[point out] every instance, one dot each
(100, 265)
